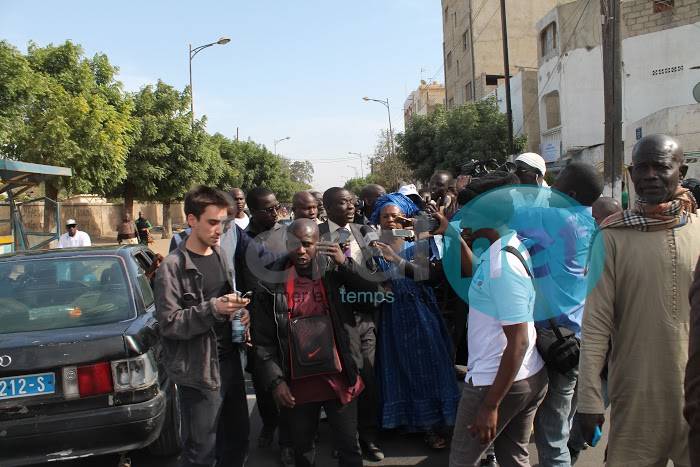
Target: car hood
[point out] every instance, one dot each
(35, 350)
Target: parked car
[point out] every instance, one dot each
(80, 371)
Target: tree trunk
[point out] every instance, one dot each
(50, 221)
(167, 222)
(129, 200)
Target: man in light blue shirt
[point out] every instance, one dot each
(558, 239)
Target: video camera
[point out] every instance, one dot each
(478, 168)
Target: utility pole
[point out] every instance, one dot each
(612, 89)
(506, 66)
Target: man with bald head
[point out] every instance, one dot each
(440, 192)
(638, 314)
(369, 195)
(305, 206)
(314, 273)
(604, 207)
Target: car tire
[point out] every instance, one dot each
(169, 442)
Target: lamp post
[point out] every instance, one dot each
(279, 141)
(193, 52)
(362, 162)
(385, 103)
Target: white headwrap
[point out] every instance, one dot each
(533, 160)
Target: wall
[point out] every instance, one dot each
(681, 122)
(652, 74)
(487, 41)
(639, 18)
(523, 93)
(99, 220)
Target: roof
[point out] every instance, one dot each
(101, 250)
(16, 173)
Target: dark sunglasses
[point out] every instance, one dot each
(71, 226)
(271, 209)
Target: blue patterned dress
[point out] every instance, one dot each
(416, 379)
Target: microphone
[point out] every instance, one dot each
(371, 237)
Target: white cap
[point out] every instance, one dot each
(71, 222)
(408, 190)
(533, 160)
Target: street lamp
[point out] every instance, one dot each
(193, 52)
(279, 141)
(385, 103)
(362, 162)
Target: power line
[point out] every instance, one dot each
(556, 65)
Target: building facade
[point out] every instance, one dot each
(423, 100)
(661, 70)
(472, 44)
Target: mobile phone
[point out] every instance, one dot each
(404, 233)
(426, 199)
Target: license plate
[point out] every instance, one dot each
(27, 386)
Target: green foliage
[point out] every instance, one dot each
(302, 172)
(356, 184)
(388, 168)
(64, 109)
(169, 155)
(446, 139)
(248, 164)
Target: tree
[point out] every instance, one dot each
(66, 110)
(251, 165)
(302, 172)
(446, 139)
(388, 169)
(356, 184)
(169, 154)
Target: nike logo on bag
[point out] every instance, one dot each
(313, 354)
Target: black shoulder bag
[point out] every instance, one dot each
(558, 346)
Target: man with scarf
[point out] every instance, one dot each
(640, 273)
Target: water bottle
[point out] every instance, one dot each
(237, 329)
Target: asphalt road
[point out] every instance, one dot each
(400, 450)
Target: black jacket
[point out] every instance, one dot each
(269, 321)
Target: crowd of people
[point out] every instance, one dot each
(562, 304)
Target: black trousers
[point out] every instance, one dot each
(215, 423)
(269, 412)
(368, 402)
(343, 422)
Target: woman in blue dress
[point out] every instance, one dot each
(417, 386)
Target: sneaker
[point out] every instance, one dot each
(287, 457)
(372, 452)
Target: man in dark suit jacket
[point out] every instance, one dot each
(340, 228)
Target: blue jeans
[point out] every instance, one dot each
(553, 419)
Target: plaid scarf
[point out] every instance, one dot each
(652, 217)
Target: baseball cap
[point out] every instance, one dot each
(408, 190)
(71, 222)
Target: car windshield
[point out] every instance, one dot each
(56, 293)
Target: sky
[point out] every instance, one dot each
(292, 68)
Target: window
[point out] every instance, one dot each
(457, 66)
(663, 5)
(454, 18)
(552, 113)
(448, 60)
(144, 263)
(468, 93)
(548, 39)
(57, 293)
(492, 80)
(465, 40)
